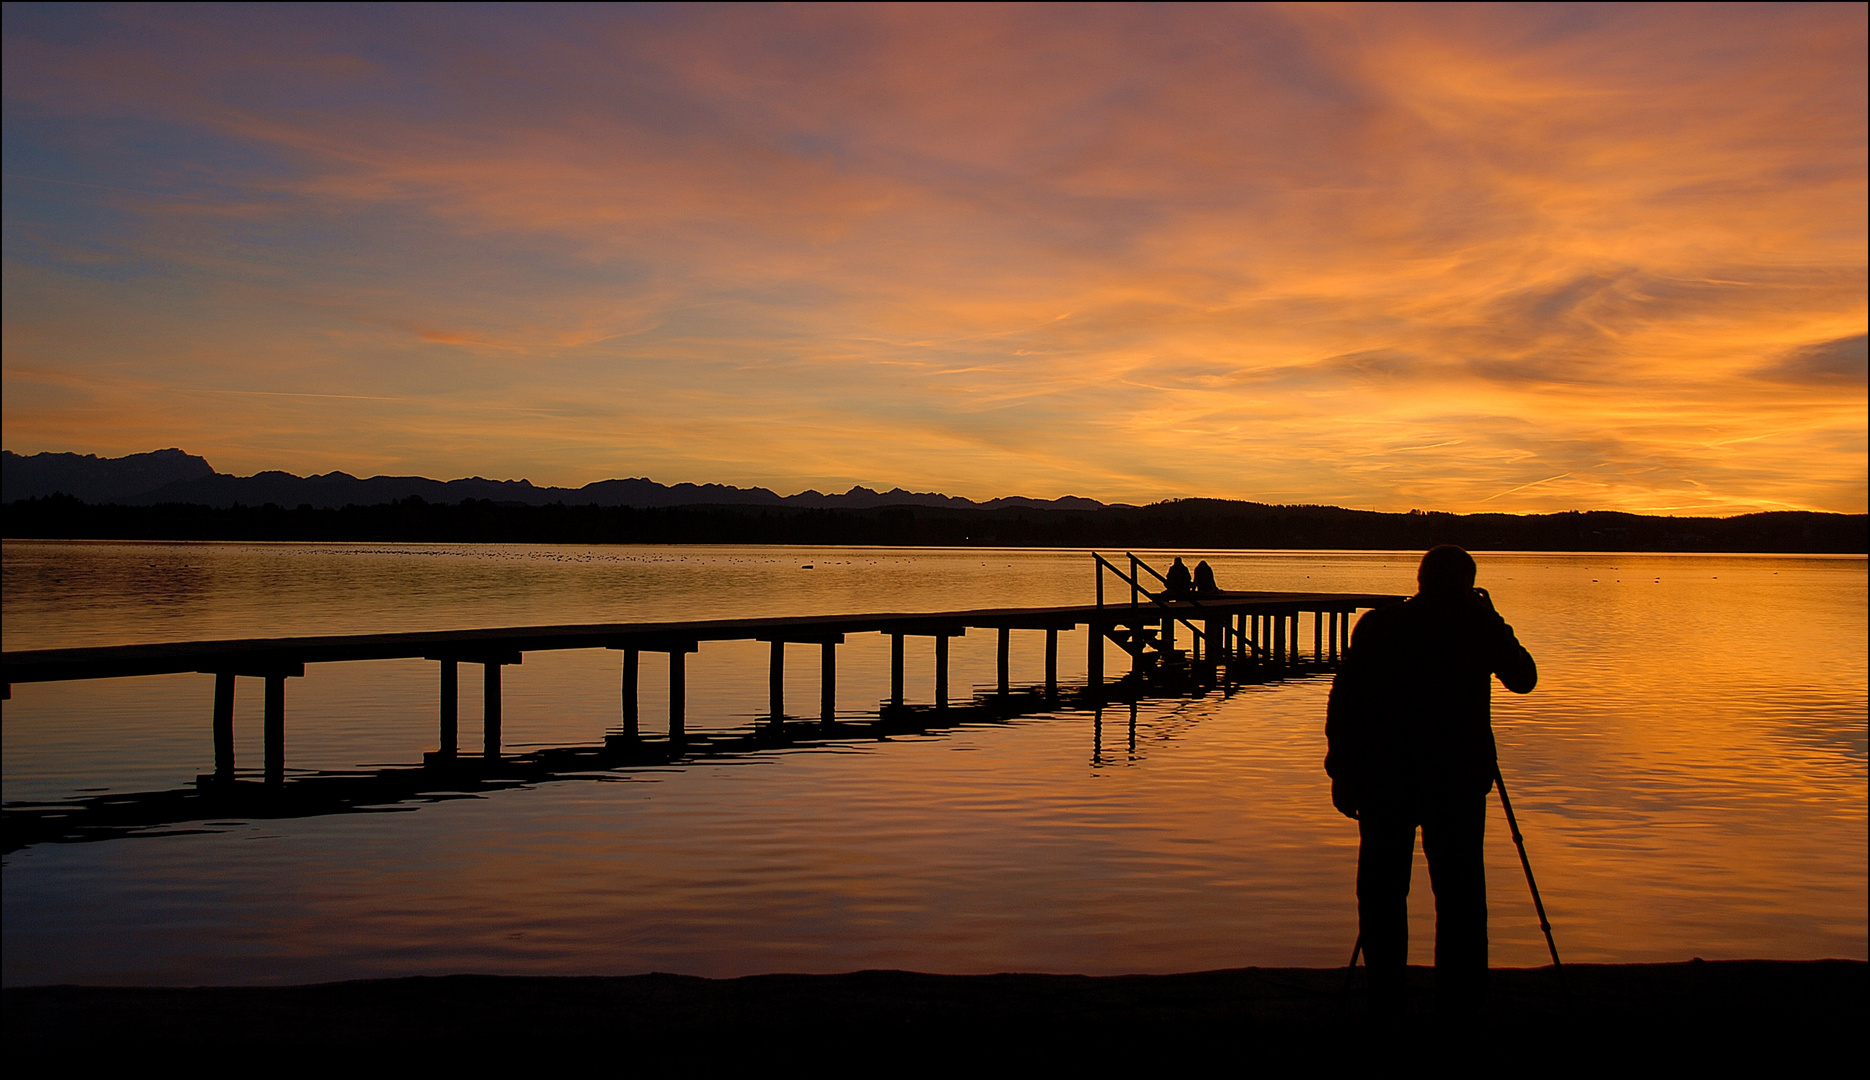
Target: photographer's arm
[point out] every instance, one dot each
(1512, 662)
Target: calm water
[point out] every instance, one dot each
(1691, 776)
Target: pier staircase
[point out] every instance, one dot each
(1144, 644)
(1150, 643)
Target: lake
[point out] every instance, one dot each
(1690, 775)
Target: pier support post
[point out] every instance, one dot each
(275, 729)
(1279, 640)
(1094, 659)
(450, 707)
(828, 684)
(1318, 636)
(490, 711)
(224, 727)
(1006, 639)
(678, 694)
(896, 671)
(1336, 618)
(941, 671)
(776, 683)
(630, 662)
(1051, 663)
(1168, 637)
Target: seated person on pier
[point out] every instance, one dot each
(1204, 580)
(1177, 585)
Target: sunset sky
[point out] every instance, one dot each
(1521, 258)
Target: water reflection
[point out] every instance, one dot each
(1690, 777)
(440, 777)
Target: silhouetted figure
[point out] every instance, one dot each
(1177, 585)
(1411, 744)
(1204, 579)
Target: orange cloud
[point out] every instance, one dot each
(1501, 257)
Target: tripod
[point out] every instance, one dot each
(1538, 905)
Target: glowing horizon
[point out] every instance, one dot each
(1463, 259)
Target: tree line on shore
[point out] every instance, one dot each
(1188, 523)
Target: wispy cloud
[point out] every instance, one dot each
(1381, 256)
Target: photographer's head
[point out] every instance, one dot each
(1446, 571)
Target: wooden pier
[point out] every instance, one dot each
(1239, 634)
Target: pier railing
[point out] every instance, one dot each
(1220, 639)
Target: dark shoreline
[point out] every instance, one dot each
(1188, 524)
(1686, 1008)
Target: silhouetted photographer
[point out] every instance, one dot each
(1411, 744)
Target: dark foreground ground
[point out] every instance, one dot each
(1789, 1011)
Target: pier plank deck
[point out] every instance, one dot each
(1250, 635)
(1234, 630)
(288, 655)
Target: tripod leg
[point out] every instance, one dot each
(1350, 973)
(1538, 905)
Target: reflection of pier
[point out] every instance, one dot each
(437, 779)
(1235, 636)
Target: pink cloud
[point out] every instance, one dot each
(1128, 251)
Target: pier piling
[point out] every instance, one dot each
(678, 693)
(941, 671)
(828, 684)
(1051, 663)
(1006, 639)
(450, 708)
(896, 671)
(275, 730)
(629, 693)
(776, 682)
(490, 712)
(224, 727)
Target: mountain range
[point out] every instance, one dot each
(172, 495)
(175, 476)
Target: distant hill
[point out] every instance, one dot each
(170, 495)
(172, 476)
(95, 479)
(1187, 525)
